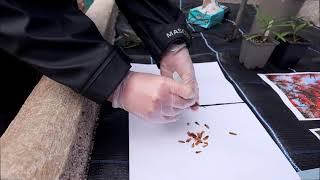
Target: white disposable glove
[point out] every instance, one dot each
(178, 59)
(153, 98)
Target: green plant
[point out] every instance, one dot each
(266, 24)
(295, 25)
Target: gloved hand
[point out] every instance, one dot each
(153, 98)
(180, 62)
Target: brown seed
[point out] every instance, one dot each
(233, 133)
(197, 152)
(197, 143)
(205, 145)
(193, 135)
(188, 140)
(206, 138)
(180, 141)
(196, 123)
(206, 125)
(192, 145)
(190, 134)
(200, 134)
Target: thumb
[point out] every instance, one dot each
(181, 90)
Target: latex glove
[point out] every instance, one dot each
(181, 63)
(153, 98)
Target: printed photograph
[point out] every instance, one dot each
(299, 91)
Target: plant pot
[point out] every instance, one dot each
(287, 54)
(254, 54)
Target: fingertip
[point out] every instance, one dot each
(195, 107)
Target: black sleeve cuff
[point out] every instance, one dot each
(108, 76)
(164, 35)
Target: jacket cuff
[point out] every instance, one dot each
(108, 76)
(164, 35)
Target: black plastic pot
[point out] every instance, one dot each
(255, 55)
(287, 54)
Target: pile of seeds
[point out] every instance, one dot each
(198, 139)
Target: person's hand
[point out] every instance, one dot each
(181, 63)
(153, 98)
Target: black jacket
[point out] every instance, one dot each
(59, 41)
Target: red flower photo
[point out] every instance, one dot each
(299, 91)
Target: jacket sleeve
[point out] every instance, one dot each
(157, 22)
(58, 40)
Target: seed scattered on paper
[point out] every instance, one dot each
(197, 138)
(205, 145)
(205, 138)
(191, 135)
(233, 133)
(201, 134)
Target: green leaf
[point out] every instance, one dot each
(302, 26)
(252, 36)
(285, 33)
(281, 35)
(293, 26)
(281, 25)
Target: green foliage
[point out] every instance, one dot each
(281, 35)
(253, 36)
(294, 25)
(265, 21)
(267, 24)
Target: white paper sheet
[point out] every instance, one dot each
(155, 153)
(294, 87)
(213, 87)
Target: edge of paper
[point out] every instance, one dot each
(314, 132)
